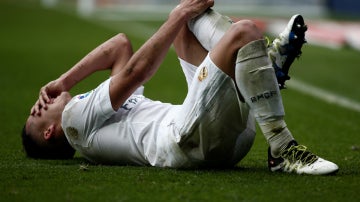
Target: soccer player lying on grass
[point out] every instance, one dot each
(231, 81)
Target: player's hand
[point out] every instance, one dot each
(194, 8)
(47, 94)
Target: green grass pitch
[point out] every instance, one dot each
(37, 45)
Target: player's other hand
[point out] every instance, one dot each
(47, 94)
(194, 8)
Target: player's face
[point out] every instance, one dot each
(57, 104)
(38, 122)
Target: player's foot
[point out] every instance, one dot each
(296, 159)
(284, 49)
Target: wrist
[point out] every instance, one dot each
(179, 13)
(64, 82)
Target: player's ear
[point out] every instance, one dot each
(49, 132)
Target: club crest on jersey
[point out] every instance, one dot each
(72, 132)
(203, 73)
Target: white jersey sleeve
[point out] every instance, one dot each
(85, 114)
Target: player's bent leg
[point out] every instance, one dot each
(254, 75)
(257, 83)
(212, 120)
(212, 127)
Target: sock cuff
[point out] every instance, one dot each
(210, 13)
(209, 28)
(252, 50)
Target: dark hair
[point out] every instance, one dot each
(34, 150)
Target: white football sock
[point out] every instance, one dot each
(209, 28)
(257, 84)
(277, 135)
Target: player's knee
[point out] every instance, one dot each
(245, 31)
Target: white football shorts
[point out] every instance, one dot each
(213, 127)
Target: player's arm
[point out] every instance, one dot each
(111, 54)
(146, 61)
(137, 71)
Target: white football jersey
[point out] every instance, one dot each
(135, 134)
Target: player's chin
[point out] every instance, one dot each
(64, 97)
